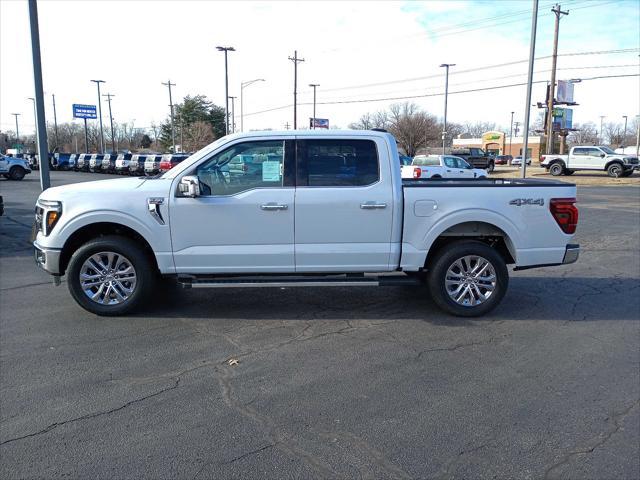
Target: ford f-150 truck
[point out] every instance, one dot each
(315, 209)
(591, 158)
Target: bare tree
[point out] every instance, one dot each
(198, 135)
(412, 127)
(614, 132)
(585, 134)
(476, 129)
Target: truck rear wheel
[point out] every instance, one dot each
(468, 278)
(110, 276)
(556, 169)
(17, 173)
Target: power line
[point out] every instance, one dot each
(409, 97)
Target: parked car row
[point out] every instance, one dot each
(122, 164)
(440, 166)
(13, 168)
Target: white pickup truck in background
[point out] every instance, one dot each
(315, 209)
(441, 166)
(591, 158)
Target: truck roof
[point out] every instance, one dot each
(315, 133)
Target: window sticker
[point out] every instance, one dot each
(271, 171)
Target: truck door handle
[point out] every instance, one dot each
(372, 206)
(273, 206)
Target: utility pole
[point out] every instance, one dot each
(527, 109)
(242, 85)
(226, 86)
(55, 120)
(601, 139)
(17, 129)
(173, 134)
(511, 137)
(98, 82)
(295, 61)
(113, 137)
(624, 137)
(314, 85)
(638, 136)
(554, 60)
(446, 95)
(233, 114)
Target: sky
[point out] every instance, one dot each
(356, 51)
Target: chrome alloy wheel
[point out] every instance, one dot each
(108, 278)
(470, 280)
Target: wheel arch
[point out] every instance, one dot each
(100, 229)
(497, 232)
(612, 161)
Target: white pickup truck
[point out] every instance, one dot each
(591, 158)
(440, 166)
(303, 208)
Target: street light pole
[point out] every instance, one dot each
(173, 135)
(113, 137)
(17, 129)
(602, 117)
(527, 109)
(233, 114)
(624, 137)
(511, 137)
(242, 85)
(98, 82)
(226, 86)
(55, 120)
(35, 118)
(314, 85)
(446, 95)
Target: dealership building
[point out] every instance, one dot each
(501, 144)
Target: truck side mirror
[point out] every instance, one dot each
(189, 186)
(603, 155)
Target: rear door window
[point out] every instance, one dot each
(337, 163)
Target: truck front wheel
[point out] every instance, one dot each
(17, 173)
(615, 170)
(468, 278)
(110, 275)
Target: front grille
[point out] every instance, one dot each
(633, 161)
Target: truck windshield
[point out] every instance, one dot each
(606, 150)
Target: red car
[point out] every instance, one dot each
(169, 161)
(503, 159)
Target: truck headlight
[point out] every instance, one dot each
(48, 212)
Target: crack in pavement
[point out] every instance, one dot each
(455, 460)
(458, 346)
(597, 441)
(53, 426)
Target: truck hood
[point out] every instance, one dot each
(101, 188)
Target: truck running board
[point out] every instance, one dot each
(300, 281)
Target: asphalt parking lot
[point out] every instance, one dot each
(328, 383)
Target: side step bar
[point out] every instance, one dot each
(302, 281)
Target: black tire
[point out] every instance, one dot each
(556, 169)
(437, 177)
(146, 274)
(17, 173)
(445, 259)
(6, 175)
(615, 170)
(569, 172)
(627, 173)
(491, 167)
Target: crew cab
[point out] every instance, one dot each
(591, 158)
(441, 166)
(13, 168)
(476, 157)
(327, 208)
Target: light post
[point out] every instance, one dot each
(113, 137)
(314, 85)
(173, 135)
(601, 140)
(55, 120)
(446, 94)
(226, 86)
(511, 137)
(98, 82)
(624, 137)
(242, 85)
(527, 109)
(233, 114)
(17, 129)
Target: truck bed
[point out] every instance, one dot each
(488, 182)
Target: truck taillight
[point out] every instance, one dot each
(417, 172)
(565, 213)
